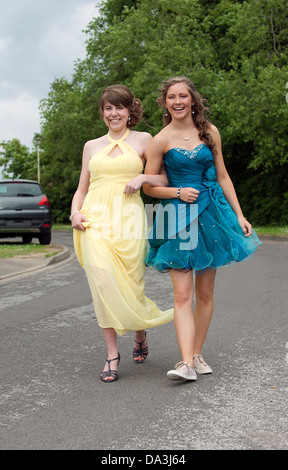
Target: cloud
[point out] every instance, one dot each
(67, 43)
(39, 41)
(4, 43)
(18, 117)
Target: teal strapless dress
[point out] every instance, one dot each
(199, 236)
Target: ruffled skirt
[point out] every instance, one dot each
(216, 240)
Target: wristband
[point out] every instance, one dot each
(73, 213)
(178, 192)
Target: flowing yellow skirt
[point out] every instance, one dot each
(112, 252)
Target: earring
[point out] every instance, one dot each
(129, 120)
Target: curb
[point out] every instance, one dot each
(63, 255)
(273, 238)
(59, 257)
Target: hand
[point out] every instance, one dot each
(77, 220)
(188, 194)
(134, 185)
(245, 225)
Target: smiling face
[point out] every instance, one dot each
(179, 101)
(115, 116)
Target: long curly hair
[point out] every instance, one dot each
(122, 95)
(198, 110)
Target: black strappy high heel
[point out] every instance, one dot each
(109, 372)
(141, 351)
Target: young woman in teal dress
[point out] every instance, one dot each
(199, 224)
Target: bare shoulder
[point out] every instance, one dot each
(163, 141)
(140, 141)
(96, 142)
(94, 145)
(160, 139)
(143, 137)
(214, 132)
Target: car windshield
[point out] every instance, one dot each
(15, 189)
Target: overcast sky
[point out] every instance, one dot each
(40, 40)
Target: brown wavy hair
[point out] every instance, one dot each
(122, 95)
(198, 110)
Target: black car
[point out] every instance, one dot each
(25, 211)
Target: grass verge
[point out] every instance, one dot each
(272, 230)
(20, 250)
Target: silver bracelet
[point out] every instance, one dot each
(73, 213)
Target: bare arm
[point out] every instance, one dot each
(226, 184)
(150, 180)
(82, 189)
(158, 179)
(153, 166)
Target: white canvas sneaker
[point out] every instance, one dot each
(182, 372)
(200, 365)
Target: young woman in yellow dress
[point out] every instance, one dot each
(109, 221)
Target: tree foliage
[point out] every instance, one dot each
(17, 161)
(236, 54)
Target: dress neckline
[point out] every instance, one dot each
(118, 140)
(187, 150)
(191, 154)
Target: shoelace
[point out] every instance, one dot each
(181, 364)
(199, 358)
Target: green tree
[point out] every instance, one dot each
(17, 161)
(236, 54)
(249, 104)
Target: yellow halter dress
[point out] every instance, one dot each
(113, 246)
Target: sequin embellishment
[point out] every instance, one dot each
(190, 153)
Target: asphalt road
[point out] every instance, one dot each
(52, 352)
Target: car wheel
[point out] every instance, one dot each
(45, 238)
(26, 238)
